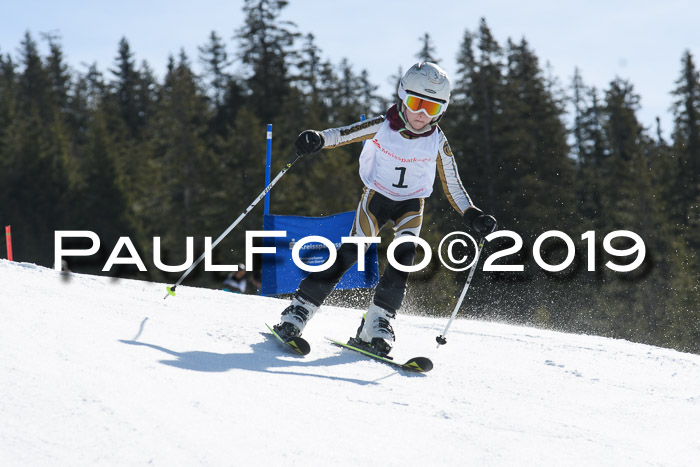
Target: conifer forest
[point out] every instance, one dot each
(122, 152)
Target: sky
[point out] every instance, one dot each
(641, 41)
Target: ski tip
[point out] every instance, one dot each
(419, 364)
(299, 344)
(414, 365)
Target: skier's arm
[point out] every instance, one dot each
(359, 131)
(312, 141)
(449, 176)
(473, 217)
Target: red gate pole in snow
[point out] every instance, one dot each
(8, 239)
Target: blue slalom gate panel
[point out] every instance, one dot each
(279, 273)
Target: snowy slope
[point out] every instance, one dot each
(95, 371)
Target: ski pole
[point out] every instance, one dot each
(171, 290)
(441, 338)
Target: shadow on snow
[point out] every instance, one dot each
(258, 360)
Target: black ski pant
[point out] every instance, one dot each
(373, 212)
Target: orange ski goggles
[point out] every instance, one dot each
(429, 107)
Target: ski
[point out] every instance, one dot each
(416, 364)
(297, 344)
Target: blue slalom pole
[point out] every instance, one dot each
(362, 119)
(268, 166)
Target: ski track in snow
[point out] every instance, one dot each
(97, 371)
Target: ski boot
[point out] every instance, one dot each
(294, 318)
(375, 333)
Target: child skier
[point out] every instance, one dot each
(398, 169)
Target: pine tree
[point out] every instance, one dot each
(181, 164)
(369, 101)
(328, 88)
(8, 101)
(460, 123)
(349, 93)
(310, 66)
(394, 80)
(8, 115)
(684, 208)
(266, 49)
(470, 123)
(310, 82)
(427, 51)
(535, 172)
(35, 157)
(128, 106)
(215, 59)
(686, 136)
(104, 207)
(146, 92)
(126, 89)
(633, 306)
(487, 82)
(534, 178)
(472, 120)
(58, 71)
(589, 150)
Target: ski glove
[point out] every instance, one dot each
(475, 219)
(309, 142)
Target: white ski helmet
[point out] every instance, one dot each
(425, 79)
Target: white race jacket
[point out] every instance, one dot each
(400, 167)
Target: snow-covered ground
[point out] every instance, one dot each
(95, 371)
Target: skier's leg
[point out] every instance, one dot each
(315, 287)
(376, 329)
(368, 221)
(391, 289)
(318, 285)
